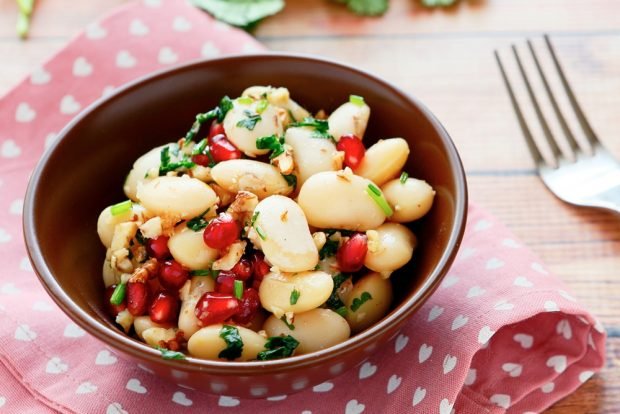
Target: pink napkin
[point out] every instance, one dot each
(500, 335)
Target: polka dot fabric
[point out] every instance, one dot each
(501, 334)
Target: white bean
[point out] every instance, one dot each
(395, 248)
(276, 291)
(349, 118)
(142, 323)
(278, 97)
(154, 336)
(339, 200)
(141, 169)
(207, 344)
(107, 222)
(188, 248)
(288, 244)
(384, 160)
(315, 329)
(410, 200)
(270, 123)
(188, 322)
(254, 176)
(373, 309)
(311, 155)
(178, 197)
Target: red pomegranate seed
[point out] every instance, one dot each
(243, 269)
(164, 309)
(223, 150)
(221, 232)
(225, 282)
(113, 310)
(172, 275)
(158, 247)
(259, 266)
(215, 307)
(137, 298)
(353, 150)
(250, 304)
(352, 253)
(201, 159)
(216, 129)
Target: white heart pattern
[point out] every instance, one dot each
(393, 383)
(138, 28)
(9, 288)
(449, 362)
(2, 401)
(82, 67)
(459, 322)
(42, 306)
(209, 50)
(354, 407)
(558, 363)
(418, 395)
(181, 24)
(73, 331)
(485, 334)
(324, 387)
(180, 398)
(115, 408)
(69, 106)
(40, 76)
(566, 295)
(482, 225)
(10, 149)
(167, 56)
(435, 312)
(471, 376)
(526, 341)
(539, 268)
(49, 139)
(16, 208)
(585, 375)
(424, 353)
(401, 343)
(548, 387)
(86, 388)
(466, 253)
(501, 400)
(513, 369)
(24, 333)
(449, 281)
(105, 358)
(445, 406)
(494, 263)
(475, 291)
(135, 385)
(24, 113)
(551, 306)
(367, 370)
(94, 32)
(510, 243)
(226, 401)
(503, 305)
(125, 60)
(563, 328)
(152, 3)
(56, 366)
(522, 281)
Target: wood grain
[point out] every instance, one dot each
(445, 58)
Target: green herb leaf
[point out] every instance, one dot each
(278, 347)
(438, 3)
(291, 179)
(238, 287)
(254, 218)
(295, 294)
(200, 147)
(219, 112)
(119, 294)
(234, 343)
(403, 177)
(205, 272)
(168, 354)
(334, 301)
(357, 302)
(140, 237)
(241, 13)
(166, 165)
(199, 222)
(273, 143)
(288, 325)
(250, 121)
(245, 100)
(262, 105)
(121, 208)
(375, 193)
(368, 7)
(357, 100)
(329, 249)
(321, 127)
(342, 311)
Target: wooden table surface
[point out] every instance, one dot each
(445, 58)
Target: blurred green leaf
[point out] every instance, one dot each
(241, 13)
(368, 7)
(438, 3)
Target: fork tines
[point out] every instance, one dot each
(551, 140)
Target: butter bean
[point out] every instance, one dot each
(254, 176)
(188, 248)
(395, 248)
(269, 123)
(207, 344)
(313, 290)
(188, 322)
(410, 200)
(384, 160)
(106, 223)
(311, 155)
(139, 172)
(373, 309)
(349, 118)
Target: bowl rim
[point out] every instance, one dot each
(141, 351)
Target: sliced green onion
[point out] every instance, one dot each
(288, 325)
(377, 196)
(245, 100)
(403, 177)
(200, 147)
(238, 289)
(118, 296)
(205, 272)
(357, 100)
(260, 232)
(120, 208)
(261, 106)
(255, 217)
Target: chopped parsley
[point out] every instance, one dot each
(329, 248)
(140, 237)
(357, 100)
(199, 222)
(234, 343)
(291, 179)
(403, 177)
(168, 354)
(377, 196)
(273, 143)
(357, 302)
(218, 113)
(205, 272)
(167, 165)
(118, 296)
(334, 301)
(288, 325)
(278, 347)
(250, 121)
(121, 208)
(342, 311)
(295, 294)
(321, 127)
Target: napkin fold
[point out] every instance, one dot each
(501, 334)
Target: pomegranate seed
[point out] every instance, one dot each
(221, 232)
(351, 254)
(353, 150)
(250, 304)
(164, 308)
(113, 310)
(216, 129)
(158, 247)
(223, 150)
(201, 159)
(215, 308)
(259, 266)
(225, 282)
(172, 275)
(243, 269)
(137, 298)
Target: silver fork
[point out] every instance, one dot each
(591, 179)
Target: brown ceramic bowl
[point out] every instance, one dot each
(84, 171)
